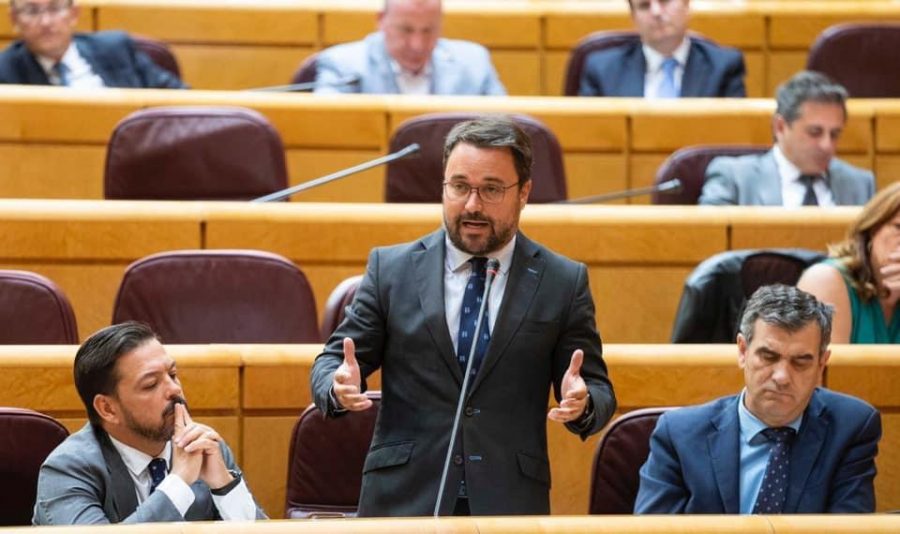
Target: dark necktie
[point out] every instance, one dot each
(468, 318)
(773, 490)
(809, 199)
(158, 472)
(63, 72)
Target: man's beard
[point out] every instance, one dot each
(496, 238)
(166, 428)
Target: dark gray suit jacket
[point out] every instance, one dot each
(398, 322)
(753, 180)
(112, 55)
(710, 71)
(85, 481)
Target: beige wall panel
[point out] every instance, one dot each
(351, 124)
(555, 63)
(730, 25)
(341, 26)
(570, 470)
(782, 65)
(565, 28)
(804, 228)
(887, 126)
(693, 124)
(6, 29)
(62, 119)
(673, 383)
(51, 171)
(887, 171)
(277, 387)
(257, 24)
(238, 67)
(887, 482)
(45, 389)
(594, 174)
(494, 28)
(797, 26)
(755, 81)
(642, 173)
(211, 388)
(324, 278)
(636, 304)
(266, 447)
(875, 381)
(519, 71)
(305, 165)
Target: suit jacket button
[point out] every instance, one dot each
(469, 411)
(458, 459)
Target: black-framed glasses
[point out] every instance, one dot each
(490, 193)
(33, 12)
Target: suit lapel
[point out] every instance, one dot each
(634, 66)
(696, 72)
(724, 452)
(524, 277)
(841, 190)
(120, 496)
(381, 63)
(428, 267)
(805, 451)
(769, 187)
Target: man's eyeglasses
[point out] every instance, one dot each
(33, 12)
(490, 193)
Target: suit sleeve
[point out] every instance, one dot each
(581, 333)
(492, 85)
(662, 489)
(852, 489)
(719, 187)
(734, 78)
(589, 85)
(330, 74)
(152, 75)
(363, 322)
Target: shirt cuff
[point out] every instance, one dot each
(237, 504)
(178, 492)
(335, 405)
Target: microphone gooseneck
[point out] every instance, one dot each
(303, 87)
(492, 267)
(669, 187)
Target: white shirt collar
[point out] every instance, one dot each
(751, 425)
(137, 461)
(456, 258)
(786, 169)
(654, 59)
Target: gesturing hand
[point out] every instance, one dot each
(185, 464)
(347, 381)
(203, 441)
(573, 391)
(890, 277)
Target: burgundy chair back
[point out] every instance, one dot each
(159, 52)
(326, 462)
(419, 178)
(622, 451)
(34, 311)
(592, 43)
(194, 153)
(689, 164)
(337, 301)
(859, 57)
(26, 439)
(306, 72)
(219, 296)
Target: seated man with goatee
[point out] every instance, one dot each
(140, 458)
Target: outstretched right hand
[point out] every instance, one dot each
(347, 381)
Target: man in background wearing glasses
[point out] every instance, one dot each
(51, 53)
(414, 317)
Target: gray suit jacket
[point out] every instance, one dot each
(85, 481)
(753, 180)
(458, 67)
(398, 322)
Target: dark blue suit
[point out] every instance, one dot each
(710, 71)
(694, 463)
(112, 55)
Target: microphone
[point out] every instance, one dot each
(394, 156)
(669, 187)
(352, 79)
(493, 266)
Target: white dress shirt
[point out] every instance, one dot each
(792, 189)
(654, 75)
(411, 83)
(79, 73)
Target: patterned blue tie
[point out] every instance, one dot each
(773, 490)
(158, 472)
(468, 318)
(667, 87)
(63, 72)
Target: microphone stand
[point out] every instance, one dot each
(284, 193)
(492, 266)
(668, 187)
(304, 87)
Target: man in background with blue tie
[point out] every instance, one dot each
(414, 317)
(140, 458)
(783, 445)
(666, 63)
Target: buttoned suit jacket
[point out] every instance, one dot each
(112, 55)
(399, 325)
(753, 180)
(85, 481)
(711, 71)
(458, 68)
(694, 462)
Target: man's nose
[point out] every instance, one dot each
(781, 374)
(473, 201)
(655, 8)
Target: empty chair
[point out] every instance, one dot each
(337, 301)
(34, 311)
(859, 56)
(326, 461)
(194, 153)
(715, 292)
(689, 164)
(219, 296)
(419, 178)
(592, 43)
(621, 452)
(26, 439)
(159, 52)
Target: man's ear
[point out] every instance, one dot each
(742, 350)
(524, 192)
(107, 408)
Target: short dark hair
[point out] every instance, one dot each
(787, 308)
(95, 361)
(808, 86)
(493, 132)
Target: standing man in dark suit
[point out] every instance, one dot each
(783, 445)
(140, 458)
(50, 53)
(413, 317)
(666, 63)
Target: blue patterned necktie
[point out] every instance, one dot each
(773, 491)
(667, 87)
(158, 472)
(62, 71)
(468, 318)
(809, 198)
